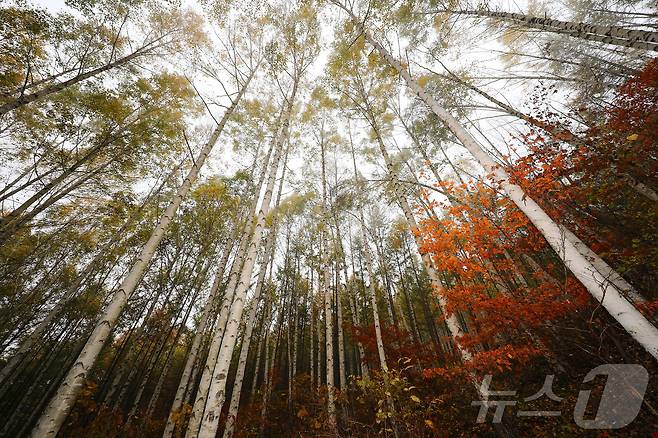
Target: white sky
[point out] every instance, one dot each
(477, 54)
(474, 52)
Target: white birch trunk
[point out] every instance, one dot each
(329, 336)
(295, 344)
(242, 361)
(354, 309)
(312, 345)
(451, 319)
(341, 344)
(289, 340)
(318, 330)
(373, 297)
(326, 286)
(356, 321)
(375, 316)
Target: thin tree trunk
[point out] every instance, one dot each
(267, 386)
(326, 287)
(37, 95)
(51, 200)
(259, 352)
(5, 194)
(341, 342)
(45, 362)
(269, 367)
(328, 336)
(311, 329)
(412, 314)
(373, 298)
(354, 310)
(318, 330)
(386, 280)
(288, 289)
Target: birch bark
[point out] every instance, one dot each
(326, 286)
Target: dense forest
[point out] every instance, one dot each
(354, 218)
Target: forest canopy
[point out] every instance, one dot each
(328, 218)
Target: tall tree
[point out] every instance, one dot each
(623, 311)
(61, 404)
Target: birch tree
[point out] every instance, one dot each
(267, 257)
(622, 310)
(62, 402)
(614, 35)
(301, 42)
(170, 31)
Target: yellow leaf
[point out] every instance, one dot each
(415, 399)
(439, 21)
(429, 423)
(632, 137)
